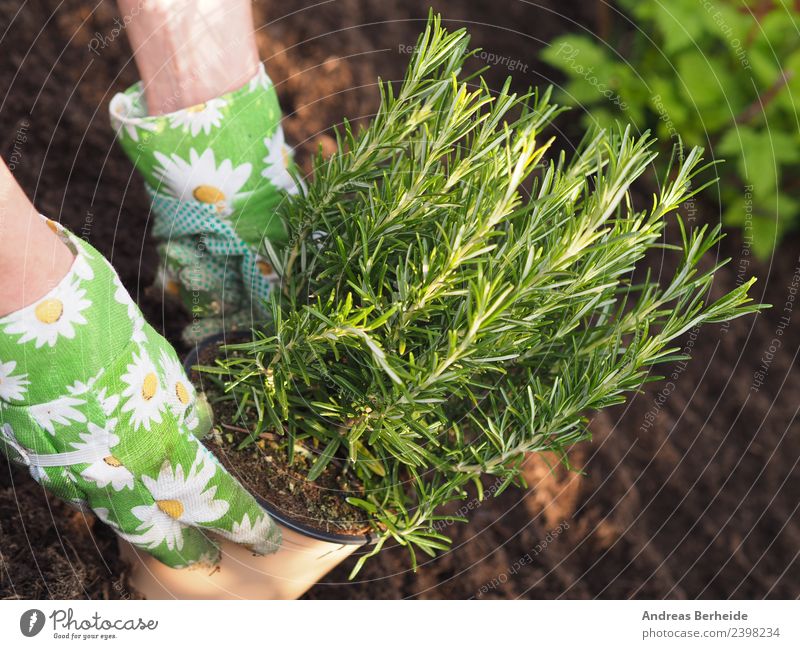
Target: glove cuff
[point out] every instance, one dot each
(81, 325)
(216, 173)
(228, 153)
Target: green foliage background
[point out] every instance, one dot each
(722, 74)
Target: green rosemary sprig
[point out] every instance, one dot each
(455, 296)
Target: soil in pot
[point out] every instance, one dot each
(264, 467)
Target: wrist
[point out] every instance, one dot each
(87, 316)
(188, 53)
(40, 262)
(225, 156)
(33, 259)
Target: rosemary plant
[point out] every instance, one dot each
(455, 297)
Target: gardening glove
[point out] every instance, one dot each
(98, 406)
(216, 173)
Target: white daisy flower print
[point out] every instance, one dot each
(10, 439)
(61, 411)
(179, 500)
(144, 395)
(82, 387)
(38, 474)
(192, 421)
(55, 226)
(104, 515)
(261, 536)
(81, 267)
(123, 297)
(201, 117)
(55, 315)
(12, 386)
(137, 320)
(108, 402)
(108, 470)
(137, 334)
(125, 116)
(261, 80)
(201, 180)
(180, 392)
(277, 162)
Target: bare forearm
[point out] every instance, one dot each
(188, 52)
(32, 257)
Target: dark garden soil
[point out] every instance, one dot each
(689, 490)
(263, 465)
(49, 550)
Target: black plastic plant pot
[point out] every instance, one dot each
(305, 556)
(192, 359)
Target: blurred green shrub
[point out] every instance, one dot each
(724, 74)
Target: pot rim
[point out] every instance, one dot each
(189, 361)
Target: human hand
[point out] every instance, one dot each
(98, 406)
(216, 173)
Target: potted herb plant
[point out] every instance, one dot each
(455, 295)
(319, 529)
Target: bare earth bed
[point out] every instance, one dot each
(687, 492)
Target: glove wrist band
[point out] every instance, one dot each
(217, 174)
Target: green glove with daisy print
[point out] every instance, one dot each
(216, 173)
(98, 406)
